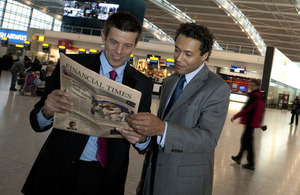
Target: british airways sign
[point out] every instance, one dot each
(13, 36)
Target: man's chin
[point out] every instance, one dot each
(179, 71)
(116, 65)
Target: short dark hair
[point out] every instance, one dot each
(71, 123)
(123, 21)
(198, 32)
(255, 81)
(26, 58)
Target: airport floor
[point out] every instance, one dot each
(277, 151)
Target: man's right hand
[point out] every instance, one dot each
(57, 101)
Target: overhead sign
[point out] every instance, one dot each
(67, 44)
(13, 36)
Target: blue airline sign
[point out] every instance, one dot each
(13, 36)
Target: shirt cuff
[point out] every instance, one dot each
(161, 139)
(143, 146)
(43, 122)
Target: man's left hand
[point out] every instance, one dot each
(146, 124)
(132, 136)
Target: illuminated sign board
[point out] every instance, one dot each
(82, 50)
(284, 70)
(41, 38)
(170, 63)
(238, 69)
(93, 51)
(17, 37)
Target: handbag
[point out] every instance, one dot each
(20, 81)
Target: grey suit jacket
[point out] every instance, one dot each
(195, 121)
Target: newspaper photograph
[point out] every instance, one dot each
(100, 104)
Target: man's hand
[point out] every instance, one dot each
(146, 124)
(57, 101)
(232, 119)
(132, 136)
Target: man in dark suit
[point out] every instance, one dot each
(185, 134)
(67, 163)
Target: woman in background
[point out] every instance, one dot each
(295, 110)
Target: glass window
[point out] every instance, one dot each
(57, 25)
(1, 10)
(41, 20)
(16, 16)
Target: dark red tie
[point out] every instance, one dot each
(102, 142)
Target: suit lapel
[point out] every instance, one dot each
(95, 66)
(167, 90)
(193, 87)
(128, 78)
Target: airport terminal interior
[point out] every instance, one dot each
(277, 150)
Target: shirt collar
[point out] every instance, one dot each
(106, 67)
(190, 76)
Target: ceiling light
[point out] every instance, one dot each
(29, 3)
(58, 17)
(243, 22)
(164, 4)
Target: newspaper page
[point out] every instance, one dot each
(100, 104)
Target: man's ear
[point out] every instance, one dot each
(103, 36)
(136, 44)
(205, 56)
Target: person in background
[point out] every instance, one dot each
(36, 60)
(185, 132)
(49, 70)
(36, 66)
(295, 110)
(251, 116)
(18, 68)
(6, 62)
(76, 164)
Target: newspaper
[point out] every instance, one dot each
(100, 104)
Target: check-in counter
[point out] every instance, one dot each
(238, 97)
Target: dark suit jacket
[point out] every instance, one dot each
(62, 149)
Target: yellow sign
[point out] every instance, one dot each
(41, 38)
(154, 58)
(170, 60)
(20, 46)
(93, 50)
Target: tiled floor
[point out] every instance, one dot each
(277, 151)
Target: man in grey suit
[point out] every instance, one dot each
(180, 158)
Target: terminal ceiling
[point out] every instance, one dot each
(276, 21)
